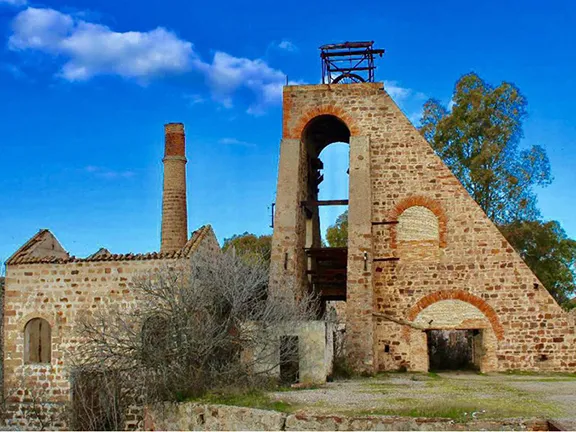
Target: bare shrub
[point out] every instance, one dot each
(199, 325)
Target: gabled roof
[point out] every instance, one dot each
(41, 246)
(30, 254)
(100, 253)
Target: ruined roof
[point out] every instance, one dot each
(34, 251)
(42, 244)
(100, 253)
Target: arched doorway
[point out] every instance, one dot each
(326, 139)
(461, 333)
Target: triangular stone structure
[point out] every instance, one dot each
(422, 256)
(43, 245)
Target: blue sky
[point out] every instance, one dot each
(86, 87)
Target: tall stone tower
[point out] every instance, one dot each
(422, 256)
(174, 212)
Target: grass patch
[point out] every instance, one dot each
(250, 399)
(284, 389)
(453, 413)
(461, 410)
(543, 375)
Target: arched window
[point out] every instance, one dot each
(155, 340)
(418, 234)
(418, 223)
(37, 341)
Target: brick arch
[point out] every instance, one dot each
(423, 201)
(308, 116)
(22, 321)
(464, 296)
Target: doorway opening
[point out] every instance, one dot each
(327, 166)
(289, 360)
(454, 349)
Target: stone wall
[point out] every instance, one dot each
(524, 328)
(61, 293)
(315, 351)
(193, 416)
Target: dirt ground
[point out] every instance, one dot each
(459, 396)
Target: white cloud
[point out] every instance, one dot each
(14, 2)
(395, 91)
(415, 117)
(451, 104)
(237, 142)
(86, 50)
(107, 173)
(13, 70)
(40, 29)
(193, 99)
(94, 49)
(227, 74)
(286, 45)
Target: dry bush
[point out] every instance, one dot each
(188, 333)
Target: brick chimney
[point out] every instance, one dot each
(174, 213)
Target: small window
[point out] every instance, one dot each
(155, 341)
(37, 341)
(418, 223)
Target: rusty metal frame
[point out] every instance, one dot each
(352, 60)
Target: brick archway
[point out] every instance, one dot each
(329, 109)
(423, 201)
(464, 296)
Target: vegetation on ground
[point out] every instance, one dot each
(253, 398)
(431, 395)
(209, 323)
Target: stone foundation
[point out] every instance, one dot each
(193, 416)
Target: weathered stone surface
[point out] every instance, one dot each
(446, 247)
(61, 293)
(174, 210)
(193, 416)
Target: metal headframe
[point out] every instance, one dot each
(348, 62)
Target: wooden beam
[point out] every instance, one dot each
(324, 203)
(385, 223)
(386, 259)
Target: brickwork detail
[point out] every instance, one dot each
(296, 131)
(174, 208)
(470, 261)
(419, 201)
(464, 296)
(417, 223)
(60, 292)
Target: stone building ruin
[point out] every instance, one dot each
(422, 256)
(47, 289)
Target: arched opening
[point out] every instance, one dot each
(325, 138)
(462, 331)
(37, 341)
(418, 234)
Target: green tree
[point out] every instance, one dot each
(478, 140)
(550, 254)
(337, 234)
(250, 245)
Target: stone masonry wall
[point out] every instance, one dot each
(194, 416)
(61, 293)
(174, 210)
(473, 262)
